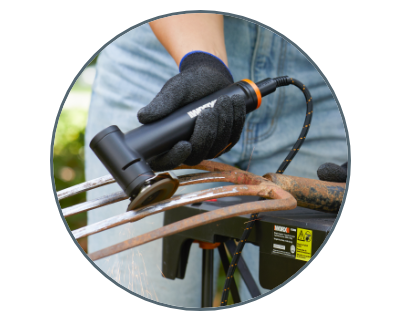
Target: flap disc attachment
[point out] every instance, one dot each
(158, 188)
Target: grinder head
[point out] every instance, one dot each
(160, 187)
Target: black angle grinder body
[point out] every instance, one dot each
(126, 155)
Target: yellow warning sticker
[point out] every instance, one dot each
(304, 244)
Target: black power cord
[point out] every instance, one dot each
(280, 82)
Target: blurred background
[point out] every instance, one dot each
(68, 157)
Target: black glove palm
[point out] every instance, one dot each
(216, 128)
(332, 172)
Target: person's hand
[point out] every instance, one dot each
(216, 130)
(332, 172)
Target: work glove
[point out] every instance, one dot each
(216, 129)
(332, 172)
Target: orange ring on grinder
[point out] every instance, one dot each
(256, 89)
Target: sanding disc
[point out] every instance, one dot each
(159, 191)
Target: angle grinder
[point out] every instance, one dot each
(125, 155)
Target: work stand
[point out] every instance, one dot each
(286, 240)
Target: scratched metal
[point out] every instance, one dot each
(85, 186)
(309, 193)
(314, 194)
(96, 203)
(196, 178)
(116, 197)
(177, 201)
(284, 201)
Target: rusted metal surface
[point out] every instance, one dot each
(309, 193)
(174, 202)
(251, 184)
(284, 202)
(220, 176)
(120, 196)
(85, 186)
(281, 189)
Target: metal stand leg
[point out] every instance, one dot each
(207, 278)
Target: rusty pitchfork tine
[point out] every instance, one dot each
(85, 186)
(252, 185)
(255, 184)
(177, 201)
(283, 201)
(120, 195)
(108, 179)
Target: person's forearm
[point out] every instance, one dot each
(188, 32)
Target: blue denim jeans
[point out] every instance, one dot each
(132, 70)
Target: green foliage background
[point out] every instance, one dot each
(68, 156)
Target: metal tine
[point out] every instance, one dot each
(177, 201)
(85, 186)
(120, 195)
(89, 185)
(96, 203)
(283, 201)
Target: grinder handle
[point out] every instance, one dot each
(155, 138)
